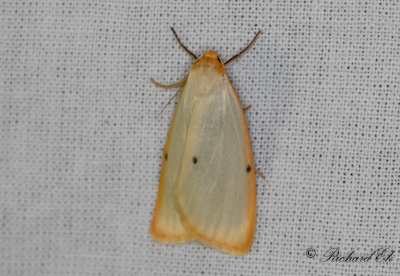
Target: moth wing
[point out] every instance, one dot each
(167, 225)
(216, 194)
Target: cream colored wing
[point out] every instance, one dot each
(166, 225)
(216, 195)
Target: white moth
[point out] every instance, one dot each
(207, 188)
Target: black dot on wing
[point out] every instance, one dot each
(166, 156)
(194, 159)
(248, 169)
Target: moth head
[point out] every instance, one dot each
(210, 59)
(212, 55)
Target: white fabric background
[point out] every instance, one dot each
(80, 150)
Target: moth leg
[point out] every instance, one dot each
(170, 100)
(247, 108)
(260, 174)
(179, 84)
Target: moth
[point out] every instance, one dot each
(207, 189)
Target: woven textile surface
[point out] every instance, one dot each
(81, 143)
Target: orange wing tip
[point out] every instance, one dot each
(225, 247)
(231, 248)
(161, 236)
